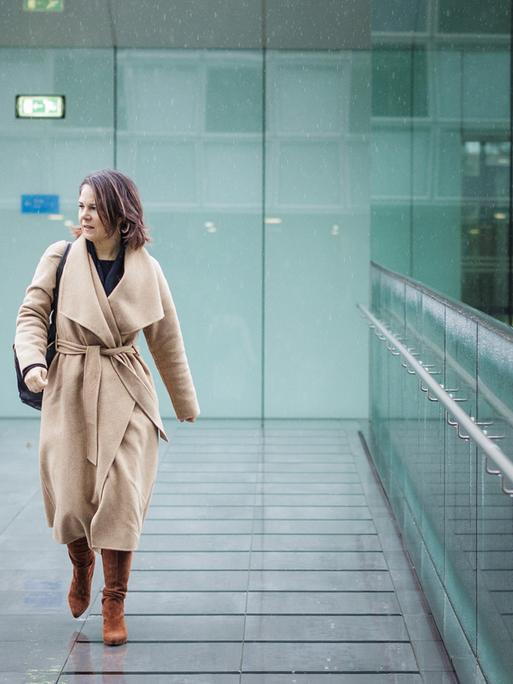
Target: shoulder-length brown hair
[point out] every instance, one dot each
(119, 206)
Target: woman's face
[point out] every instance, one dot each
(92, 227)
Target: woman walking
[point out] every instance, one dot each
(100, 420)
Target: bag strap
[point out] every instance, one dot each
(60, 268)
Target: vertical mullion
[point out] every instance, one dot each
(264, 162)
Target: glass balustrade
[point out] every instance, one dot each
(456, 521)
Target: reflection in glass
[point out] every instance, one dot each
(441, 148)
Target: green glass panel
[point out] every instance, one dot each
(234, 98)
(474, 16)
(461, 476)
(436, 247)
(399, 82)
(390, 237)
(493, 103)
(399, 16)
(448, 74)
(431, 448)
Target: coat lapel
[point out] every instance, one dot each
(78, 293)
(135, 301)
(133, 304)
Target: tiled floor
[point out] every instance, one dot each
(268, 557)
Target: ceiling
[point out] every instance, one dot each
(224, 24)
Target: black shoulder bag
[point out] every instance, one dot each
(34, 399)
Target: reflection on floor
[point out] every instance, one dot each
(269, 556)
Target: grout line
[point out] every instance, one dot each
(110, 673)
(217, 614)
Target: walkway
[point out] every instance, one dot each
(269, 557)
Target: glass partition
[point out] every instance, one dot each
(456, 521)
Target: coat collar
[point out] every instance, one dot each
(133, 304)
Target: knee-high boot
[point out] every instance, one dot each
(116, 571)
(83, 561)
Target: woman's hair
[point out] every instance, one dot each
(118, 205)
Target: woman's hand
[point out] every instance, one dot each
(36, 379)
(191, 419)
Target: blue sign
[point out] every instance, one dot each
(40, 204)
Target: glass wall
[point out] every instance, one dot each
(441, 127)
(456, 522)
(253, 166)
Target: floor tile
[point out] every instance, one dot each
(181, 602)
(191, 560)
(189, 580)
(331, 678)
(322, 560)
(317, 542)
(30, 675)
(303, 580)
(33, 655)
(326, 628)
(140, 658)
(328, 657)
(183, 542)
(161, 628)
(111, 678)
(339, 603)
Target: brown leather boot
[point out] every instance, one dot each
(83, 560)
(116, 570)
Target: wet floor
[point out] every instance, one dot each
(269, 555)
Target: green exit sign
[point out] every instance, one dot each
(40, 106)
(43, 5)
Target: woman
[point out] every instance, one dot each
(100, 421)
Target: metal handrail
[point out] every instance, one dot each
(463, 421)
(466, 377)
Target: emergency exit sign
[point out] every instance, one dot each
(40, 106)
(43, 5)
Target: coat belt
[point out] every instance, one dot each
(91, 384)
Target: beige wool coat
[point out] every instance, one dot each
(100, 420)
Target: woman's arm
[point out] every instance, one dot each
(32, 321)
(165, 342)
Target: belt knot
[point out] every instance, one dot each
(91, 384)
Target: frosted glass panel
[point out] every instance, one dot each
(166, 168)
(317, 236)
(164, 97)
(300, 82)
(201, 185)
(233, 173)
(309, 174)
(391, 164)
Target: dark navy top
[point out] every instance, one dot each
(110, 271)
